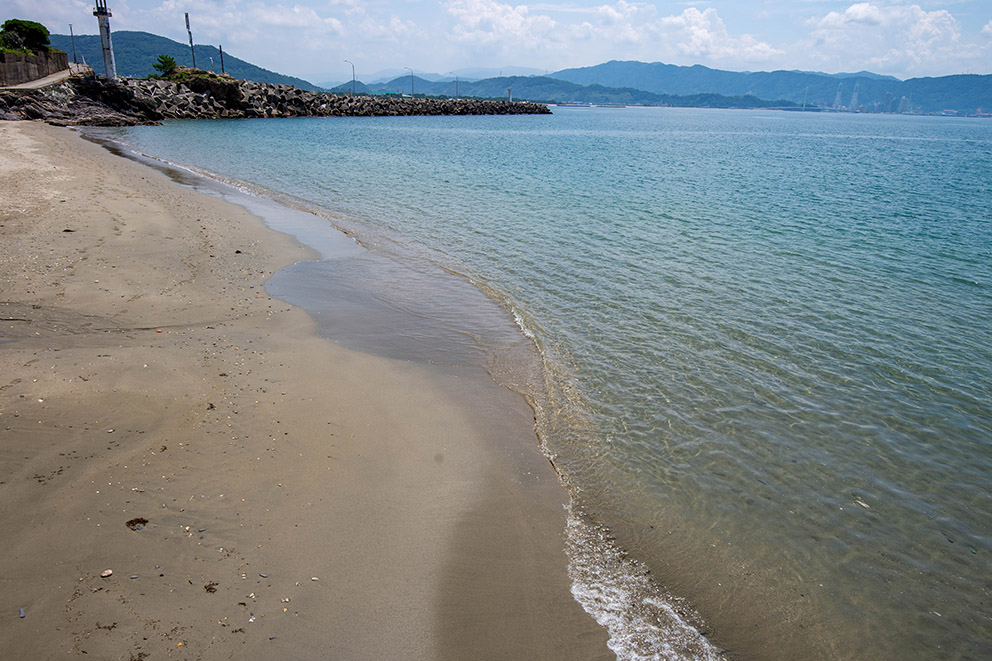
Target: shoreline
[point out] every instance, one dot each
(421, 516)
(611, 587)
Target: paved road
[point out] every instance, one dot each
(53, 79)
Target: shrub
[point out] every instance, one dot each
(165, 65)
(21, 35)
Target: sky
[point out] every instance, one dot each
(312, 39)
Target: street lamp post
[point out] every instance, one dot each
(192, 53)
(73, 37)
(411, 80)
(352, 76)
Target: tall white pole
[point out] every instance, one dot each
(103, 18)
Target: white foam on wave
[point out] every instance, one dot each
(642, 621)
(522, 324)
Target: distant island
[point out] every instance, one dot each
(610, 83)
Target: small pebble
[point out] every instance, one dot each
(264, 575)
(202, 530)
(156, 566)
(133, 576)
(21, 612)
(314, 578)
(107, 573)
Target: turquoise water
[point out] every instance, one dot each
(767, 340)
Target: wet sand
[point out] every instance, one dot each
(295, 499)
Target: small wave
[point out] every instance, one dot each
(517, 317)
(643, 622)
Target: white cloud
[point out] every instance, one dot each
(859, 14)
(294, 17)
(313, 37)
(704, 34)
(899, 39)
(486, 21)
(56, 15)
(623, 30)
(234, 16)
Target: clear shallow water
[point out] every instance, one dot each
(767, 338)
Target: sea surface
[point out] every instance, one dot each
(765, 345)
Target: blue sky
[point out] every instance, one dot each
(312, 38)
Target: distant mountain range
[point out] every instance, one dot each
(614, 82)
(549, 90)
(964, 93)
(136, 52)
(467, 74)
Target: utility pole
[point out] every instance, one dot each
(456, 82)
(73, 37)
(103, 18)
(221, 49)
(509, 94)
(352, 76)
(190, 33)
(411, 80)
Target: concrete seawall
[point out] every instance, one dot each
(16, 68)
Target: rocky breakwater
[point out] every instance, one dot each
(204, 95)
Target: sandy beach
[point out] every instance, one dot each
(257, 491)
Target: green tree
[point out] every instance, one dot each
(165, 65)
(17, 34)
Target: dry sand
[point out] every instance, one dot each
(302, 500)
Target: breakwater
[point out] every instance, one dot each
(204, 95)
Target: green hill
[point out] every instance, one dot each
(345, 88)
(136, 52)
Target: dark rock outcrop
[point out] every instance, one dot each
(90, 101)
(78, 101)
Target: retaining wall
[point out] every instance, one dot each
(16, 68)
